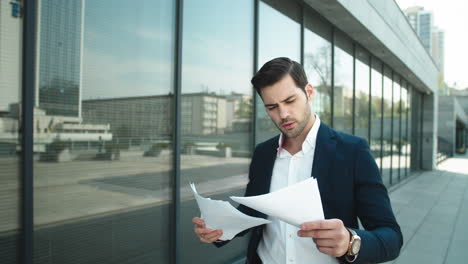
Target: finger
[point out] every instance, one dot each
(212, 239)
(204, 231)
(325, 242)
(213, 236)
(322, 224)
(318, 233)
(198, 221)
(327, 250)
(201, 231)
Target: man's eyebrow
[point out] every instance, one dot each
(287, 99)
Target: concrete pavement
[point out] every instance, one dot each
(432, 210)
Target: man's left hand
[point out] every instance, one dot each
(330, 236)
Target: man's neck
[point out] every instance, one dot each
(294, 145)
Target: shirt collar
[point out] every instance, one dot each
(307, 145)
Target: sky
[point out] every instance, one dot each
(451, 16)
(128, 48)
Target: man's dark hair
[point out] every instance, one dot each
(275, 70)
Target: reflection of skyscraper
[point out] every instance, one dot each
(59, 56)
(10, 54)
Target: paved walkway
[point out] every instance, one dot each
(432, 210)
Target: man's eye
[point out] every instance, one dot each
(291, 101)
(271, 108)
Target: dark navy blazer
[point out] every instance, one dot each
(350, 187)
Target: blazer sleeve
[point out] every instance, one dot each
(382, 238)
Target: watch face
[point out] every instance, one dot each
(356, 246)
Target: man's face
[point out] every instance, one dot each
(287, 105)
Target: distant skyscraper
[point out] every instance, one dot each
(59, 56)
(10, 53)
(438, 47)
(432, 37)
(422, 21)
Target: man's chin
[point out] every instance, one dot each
(291, 134)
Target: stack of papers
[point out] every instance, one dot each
(222, 215)
(295, 205)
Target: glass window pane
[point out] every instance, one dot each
(387, 126)
(103, 131)
(403, 129)
(10, 138)
(409, 125)
(361, 119)
(376, 112)
(343, 89)
(416, 129)
(276, 16)
(317, 64)
(396, 122)
(216, 114)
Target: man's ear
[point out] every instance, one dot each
(309, 89)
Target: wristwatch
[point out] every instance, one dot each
(354, 246)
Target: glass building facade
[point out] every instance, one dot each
(133, 101)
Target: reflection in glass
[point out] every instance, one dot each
(396, 133)
(216, 114)
(376, 112)
(387, 126)
(279, 36)
(60, 57)
(343, 90)
(409, 126)
(362, 82)
(10, 135)
(416, 129)
(403, 130)
(317, 64)
(103, 132)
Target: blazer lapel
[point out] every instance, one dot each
(325, 149)
(268, 168)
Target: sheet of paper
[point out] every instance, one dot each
(222, 215)
(294, 204)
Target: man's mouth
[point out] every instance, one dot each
(288, 125)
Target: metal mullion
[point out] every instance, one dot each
(399, 130)
(255, 67)
(353, 128)
(177, 130)
(332, 101)
(408, 131)
(302, 33)
(369, 120)
(382, 117)
(27, 130)
(391, 135)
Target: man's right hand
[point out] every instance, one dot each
(205, 234)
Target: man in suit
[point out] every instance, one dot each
(349, 181)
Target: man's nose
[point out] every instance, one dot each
(284, 112)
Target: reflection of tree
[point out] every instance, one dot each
(320, 63)
(362, 108)
(245, 109)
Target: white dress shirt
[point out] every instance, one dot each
(280, 243)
